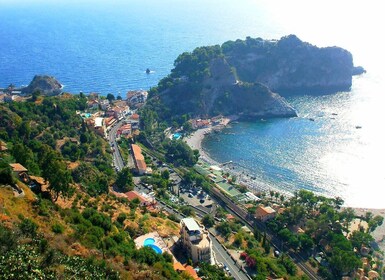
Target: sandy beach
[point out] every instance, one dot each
(195, 142)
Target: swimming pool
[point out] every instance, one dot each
(177, 136)
(150, 243)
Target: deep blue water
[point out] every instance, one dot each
(106, 47)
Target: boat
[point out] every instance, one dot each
(148, 71)
(358, 127)
(311, 119)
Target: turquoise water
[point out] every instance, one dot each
(150, 242)
(177, 136)
(107, 47)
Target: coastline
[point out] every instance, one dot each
(195, 142)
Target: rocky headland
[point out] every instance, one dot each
(250, 77)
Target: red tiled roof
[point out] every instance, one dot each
(131, 195)
(190, 270)
(178, 266)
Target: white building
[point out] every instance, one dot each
(195, 239)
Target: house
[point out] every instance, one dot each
(93, 96)
(124, 130)
(199, 123)
(110, 121)
(93, 104)
(195, 239)
(18, 168)
(104, 104)
(144, 199)
(118, 112)
(136, 98)
(97, 125)
(140, 164)
(3, 146)
(264, 213)
(230, 217)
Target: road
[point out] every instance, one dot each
(117, 157)
(223, 256)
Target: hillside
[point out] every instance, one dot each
(91, 239)
(70, 226)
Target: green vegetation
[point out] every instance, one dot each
(25, 258)
(325, 228)
(212, 272)
(124, 180)
(44, 136)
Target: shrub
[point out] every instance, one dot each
(57, 228)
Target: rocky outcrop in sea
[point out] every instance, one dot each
(46, 85)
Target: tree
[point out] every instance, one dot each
(343, 262)
(6, 176)
(56, 173)
(208, 221)
(124, 180)
(165, 174)
(35, 95)
(375, 222)
(110, 97)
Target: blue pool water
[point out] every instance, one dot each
(177, 136)
(150, 242)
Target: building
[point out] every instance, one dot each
(140, 164)
(104, 104)
(125, 131)
(93, 104)
(109, 121)
(196, 241)
(3, 146)
(18, 168)
(264, 213)
(98, 125)
(136, 98)
(145, 200)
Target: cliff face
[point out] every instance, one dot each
(221, 93)
(292, 66)
(46, 85)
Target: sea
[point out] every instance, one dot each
(334, 147)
